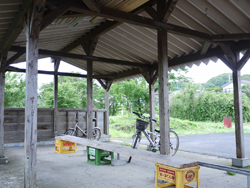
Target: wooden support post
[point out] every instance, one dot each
(152, 107)
(3, 61)
(32, 29)
(106, 116)
(56, 113)
(163, 90)
(232, 61)
(239, 133)
(89, 48)
(2, 88)
(89, 99)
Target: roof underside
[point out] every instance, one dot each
(131, 42)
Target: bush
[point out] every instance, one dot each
(205, 105)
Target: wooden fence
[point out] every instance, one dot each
(14, 122)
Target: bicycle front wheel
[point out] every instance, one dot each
(71, 132)
(174, 143)
(96, 134)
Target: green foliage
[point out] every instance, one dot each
(131, 94)
(124, 126)
(14, 90)
(246, 90)
(195, 105)
(176, 79)
(231, 173)
(222, 79)
(245, 77)
(72, 93)
(218, 80)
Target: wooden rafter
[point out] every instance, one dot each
(91, 5)
(141, 21)
(135, 19)
(243, 60)
(102, 83)
(3, 60)
(224, 60)
(145, 74)
(101, 29)
(14, 69)
(82, 57)
(168, 9)
(229, 54)
(231, 37)
(56, 62)
(53, 15)
(15, 57)
(154, 76)
(205, 47)
(152, 12)
(16, 27)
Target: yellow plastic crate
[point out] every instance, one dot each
(62, 146)
(176, 176)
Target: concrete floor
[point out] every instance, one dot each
(72, 171)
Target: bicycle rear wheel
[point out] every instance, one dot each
(96, 134)
(71, 132)
(174, 143)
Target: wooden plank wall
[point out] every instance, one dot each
(14, 122)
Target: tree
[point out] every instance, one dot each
(14, 90)
(72, 93)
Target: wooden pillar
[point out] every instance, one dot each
(163, 90)
(89, 48)
(152, 107)
(233, 61)
(2, 89)
(3, 58)
(89, 98)
(239, 133)
(56, 113)
(32, 29)
(106, 115)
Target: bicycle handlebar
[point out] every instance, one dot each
(140, 115)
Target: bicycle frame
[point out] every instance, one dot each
(77, 127)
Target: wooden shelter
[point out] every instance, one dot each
(119, 39)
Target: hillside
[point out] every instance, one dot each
(222, 79)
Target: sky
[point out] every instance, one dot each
(199, 74)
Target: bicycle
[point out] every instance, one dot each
(141, 127)
(73, 131)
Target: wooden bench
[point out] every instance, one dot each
(175, 162)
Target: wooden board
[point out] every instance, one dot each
(128, 151)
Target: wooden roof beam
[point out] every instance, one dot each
(141, 21)
(53, 15)
(82, 57)
(168, 9)
(231, 37)
(243, 60)
(16, 27)
(91, 5)
(14, 69)
(101, 29)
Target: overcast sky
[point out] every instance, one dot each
(199, 74)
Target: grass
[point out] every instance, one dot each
(230, 173)
(124, 127)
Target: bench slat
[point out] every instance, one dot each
(136, 153)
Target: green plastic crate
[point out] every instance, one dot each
(99, 156)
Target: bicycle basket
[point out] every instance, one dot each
(141, 125)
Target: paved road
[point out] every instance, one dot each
(217, 144)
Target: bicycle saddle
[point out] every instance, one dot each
(158, 131)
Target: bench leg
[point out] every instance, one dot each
(179, 180)
(248, 181)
